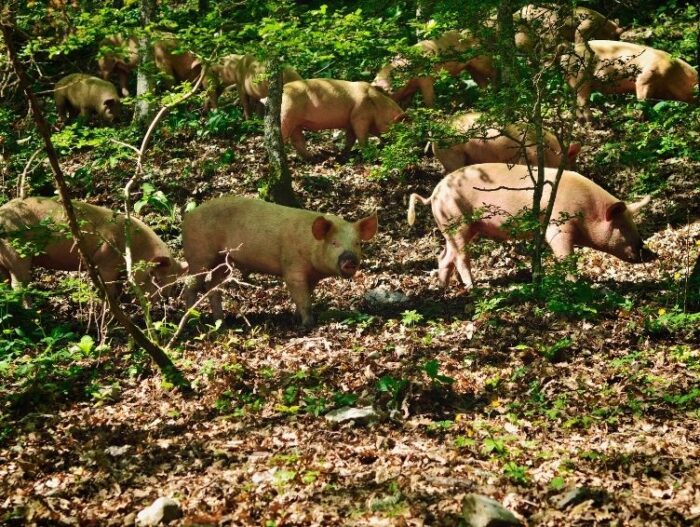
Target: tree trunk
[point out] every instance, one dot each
(506, 41)
(278, 187)
(144, 79)
(157, 354)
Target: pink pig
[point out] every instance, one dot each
(584, 214)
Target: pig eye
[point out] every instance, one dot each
(334, 243)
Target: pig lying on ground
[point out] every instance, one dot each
(499, 146)
(301, 246)
(451, 43)
(86, 95)
(623, 67)
(248, 75)
(41, 224)
(322, 104)
(120, 56)
(546, 24)
(584, 215)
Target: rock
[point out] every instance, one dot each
(116, 451)
(383, 296)
(480, 511)
(163, 510)
(348, 413)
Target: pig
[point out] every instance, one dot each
(180, 65)
(248, 75)
(584, 214)
(582, 25)
(42, 223)
(624, 67)
(499, 146)
(120, 56)
(320, 104)
(87, 95)
(301, 246)
(450, 43)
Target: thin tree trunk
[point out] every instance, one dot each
(506, 41)
(157, 354)
(144, 79)
(279, 181)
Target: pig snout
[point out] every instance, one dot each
(348, 264)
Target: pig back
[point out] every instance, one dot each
(256, 235)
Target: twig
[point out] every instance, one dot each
(23, 177)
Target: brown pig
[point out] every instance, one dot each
(581, 25)
(499, 146)
(450, 43)
(248, 75)
(180, 65)
(321, 104)
(120, 55)
(41, 224)
(87, 95)
(301, 246)
(623, 67)
(478, 199)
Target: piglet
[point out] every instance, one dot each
(86, 95)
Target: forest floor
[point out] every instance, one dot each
(594, 386)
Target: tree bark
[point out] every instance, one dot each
(506, 42)
(144, 79)
(278, 187)
(168, 369)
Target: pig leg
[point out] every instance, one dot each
(461, 255)
(560, 242)
(350, 139)
(299, 144)
(446, 265)
(245, 101)
(360, 127)
(19, 270)
(123, 81)
(300, 291)
(427, 90)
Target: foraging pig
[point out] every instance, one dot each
(584, 214)
(499, 146)
(121, 56)
(321, 104)
(623, 67)
(85, 94)
(41, 224)
(248, 75)
(582, 25)
(180, 65)
(301, 246)
(450, 43)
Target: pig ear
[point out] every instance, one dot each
(614, 210)
(367, 227)
(634, 208)
(574, 149)
(161, 261)
(321, 227)
(184, 267)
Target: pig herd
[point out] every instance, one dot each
(482, 191)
